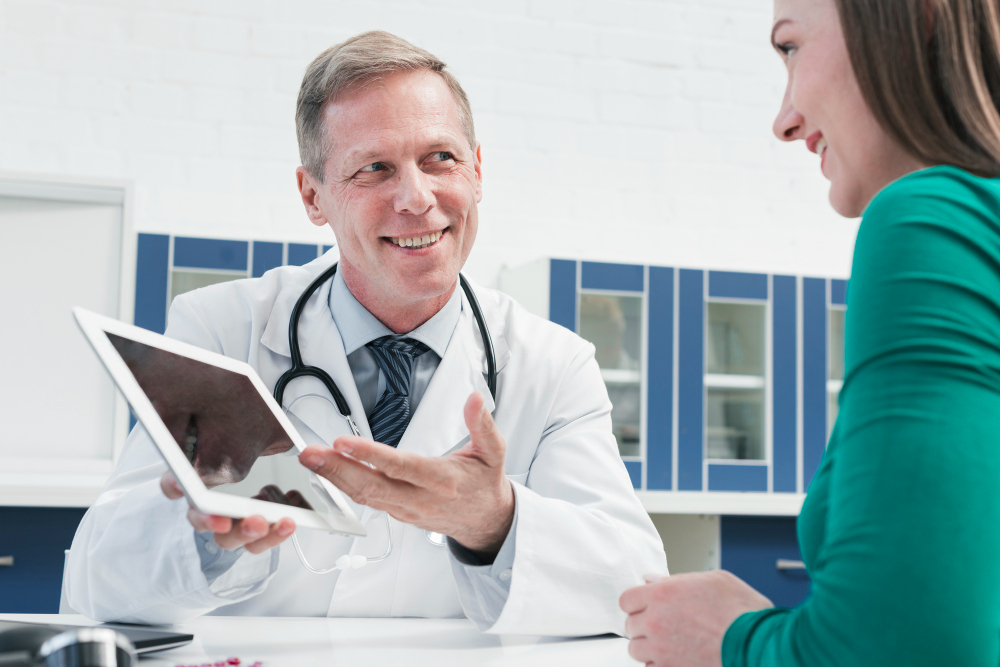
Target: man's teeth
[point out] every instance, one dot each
(820, 146)
(417, 241)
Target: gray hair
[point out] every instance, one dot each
(361, 59)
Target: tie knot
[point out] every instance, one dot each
(408, 346)
(394, 357)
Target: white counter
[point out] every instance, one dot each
(329, 642)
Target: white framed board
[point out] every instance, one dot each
(66, 242)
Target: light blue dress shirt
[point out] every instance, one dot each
(358, 327)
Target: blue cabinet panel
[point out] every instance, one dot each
(635, 473)
(690, 379)
(733, 285)
(601, 275)
(814, 375)
(301, 253)
(266, 256)
(210, 254)
(737, 477)
(562, 292)
(327, 248)
(750, 549)
(838, 292)
(660, 384)
(785, 387)
(36, 537)
(151, 271)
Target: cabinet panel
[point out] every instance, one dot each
(751, 548)
(37, 538)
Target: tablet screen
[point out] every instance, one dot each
(222, 425)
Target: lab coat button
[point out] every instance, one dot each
(505, 575)
(212, 548)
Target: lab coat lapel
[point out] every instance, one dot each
(438, 424)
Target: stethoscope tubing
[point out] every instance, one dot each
(300, 369)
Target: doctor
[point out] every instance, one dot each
(544, 529)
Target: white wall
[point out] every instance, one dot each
(621, 130)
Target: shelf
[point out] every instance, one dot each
(49, 490)
(725, 381)
(619, 376)
(718, 502)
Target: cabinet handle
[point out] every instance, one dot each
(784, 564)
(6, 561)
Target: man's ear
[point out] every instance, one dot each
(309, 190)
(479, 172)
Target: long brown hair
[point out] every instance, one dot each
(930, 72)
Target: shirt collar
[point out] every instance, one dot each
(358, 327)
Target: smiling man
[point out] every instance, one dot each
(543, 530)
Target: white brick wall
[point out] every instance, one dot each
(621, 130)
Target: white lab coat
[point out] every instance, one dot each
(582, 536)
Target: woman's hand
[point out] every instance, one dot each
(679, 621)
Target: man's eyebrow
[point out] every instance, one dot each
(775, 29)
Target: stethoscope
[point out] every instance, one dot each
(299, 369)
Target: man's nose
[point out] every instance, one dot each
(790, 124)
(413, 193)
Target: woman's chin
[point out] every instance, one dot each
(846, 201)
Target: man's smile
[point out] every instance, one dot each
(416, 241)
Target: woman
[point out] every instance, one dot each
(901, 528)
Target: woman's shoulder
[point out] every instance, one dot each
(936, 191)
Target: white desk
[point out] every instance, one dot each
(332, 642)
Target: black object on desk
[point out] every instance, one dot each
(52, 645)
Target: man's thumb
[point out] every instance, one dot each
(482, 428)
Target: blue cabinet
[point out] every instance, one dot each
(751, 548)
(737, 375)
(37, 538)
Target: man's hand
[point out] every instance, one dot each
(251, 532)
(464, 495)
(681, 620)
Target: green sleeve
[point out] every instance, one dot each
(904, 548)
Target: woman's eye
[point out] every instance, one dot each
(374, 166)
(785, 49)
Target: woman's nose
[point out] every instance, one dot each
(789, 125)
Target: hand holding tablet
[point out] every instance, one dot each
(230, 448)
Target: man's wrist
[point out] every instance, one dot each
(486, 545)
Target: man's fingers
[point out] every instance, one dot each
(209, 522)
(390, 461)
(363, 484)
(277, 534)
(242, 532)
(171, 489)
(485, 436)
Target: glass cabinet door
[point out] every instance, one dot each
(735, 359)
(613, 323)
(835, 379)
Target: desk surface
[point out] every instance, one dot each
(412, 642)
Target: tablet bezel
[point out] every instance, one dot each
(95, 327)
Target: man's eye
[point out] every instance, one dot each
(374, 166)
(443, 155)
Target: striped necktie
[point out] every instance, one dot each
(391, 415)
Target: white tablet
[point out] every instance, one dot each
(232, 449)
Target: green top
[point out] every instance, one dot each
(900, 531)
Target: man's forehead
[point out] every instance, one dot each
(414, 106)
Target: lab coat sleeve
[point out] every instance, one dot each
(582, 536)
(483, 587)
(135, 556)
